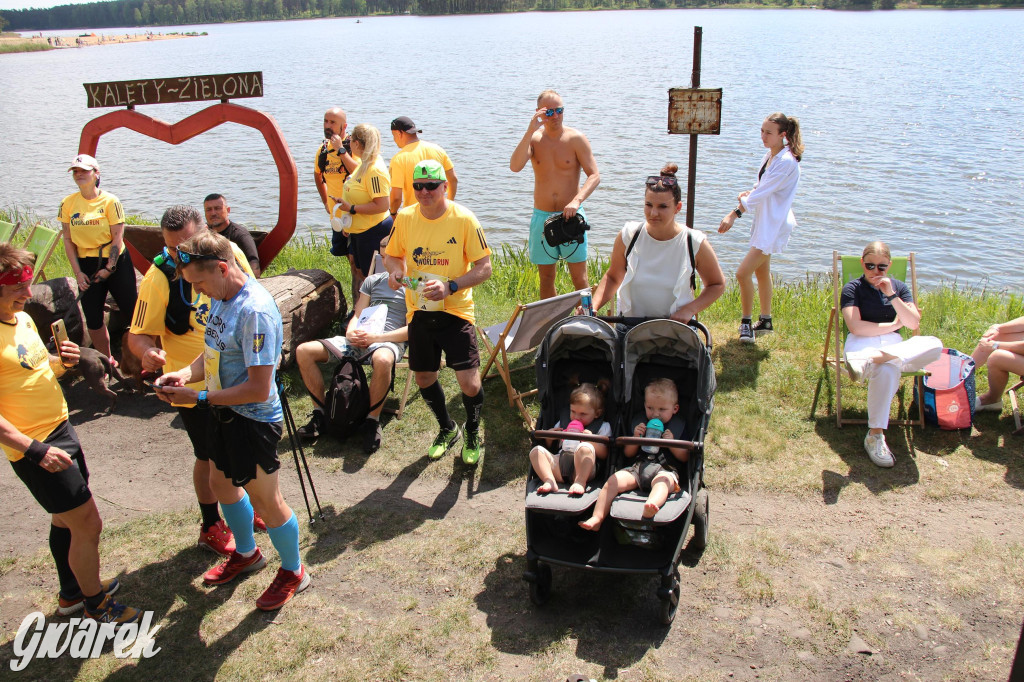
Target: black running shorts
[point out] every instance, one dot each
(431, 332)
(58, 491)
(197, 426)
(238, 444)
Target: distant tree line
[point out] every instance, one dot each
(175, 12)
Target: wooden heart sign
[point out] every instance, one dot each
(199, 123)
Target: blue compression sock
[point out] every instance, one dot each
(239, 518)
(286, 542)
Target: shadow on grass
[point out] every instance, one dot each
(168, 588)
(992, 440)
(848, 443)
(384, 514)
(613, 618)
(740, 364)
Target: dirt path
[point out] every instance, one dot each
(788, 588)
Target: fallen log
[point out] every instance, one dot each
(310, 301)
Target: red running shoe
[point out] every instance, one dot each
(285, 586)
(258, 523)
(234, 567)
(218, 539)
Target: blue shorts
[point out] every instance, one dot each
(542, 253)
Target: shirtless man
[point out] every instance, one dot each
(558, 154)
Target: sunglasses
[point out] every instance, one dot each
(429, 186)
(882, 267)
(665, 181)
(551, 112)
(184, 257)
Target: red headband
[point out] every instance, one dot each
(16, 276)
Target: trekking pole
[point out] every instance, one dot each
(297, 451)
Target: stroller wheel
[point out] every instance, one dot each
(669, 595)
(700, 520)
(540, 590)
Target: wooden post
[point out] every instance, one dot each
(691, 173)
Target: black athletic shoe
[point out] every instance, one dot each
(370, 431)
(311, 431)
(763, 326)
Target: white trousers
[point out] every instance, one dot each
(884, 378)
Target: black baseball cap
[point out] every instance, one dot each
(405, 124)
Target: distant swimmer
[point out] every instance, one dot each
(334, 163)
(558, 154)
(412, 150)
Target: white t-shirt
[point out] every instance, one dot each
(657, 281)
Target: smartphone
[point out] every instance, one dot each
(60, 334)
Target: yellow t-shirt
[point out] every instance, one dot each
(438, 249)
(151, 309)
(406, 159)
(30, 397)
(333, 175)
(90, 222)
(375, 183)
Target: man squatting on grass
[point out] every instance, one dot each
(381, 351)
(242, 351)
(558, 155)
(165, 312)
(440, 247)
(32, 407)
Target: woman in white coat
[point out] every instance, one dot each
(771, 200)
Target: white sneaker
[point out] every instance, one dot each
(878, 451)
(856, 366)
(991, 407)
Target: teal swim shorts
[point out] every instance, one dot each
(542, 253)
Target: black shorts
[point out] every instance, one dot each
(362, 246)
(237, 444)
(431, 332)
(339, 243)
(197, 425)
(120, 285)
(58, 491)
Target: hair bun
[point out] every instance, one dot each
(669, 170)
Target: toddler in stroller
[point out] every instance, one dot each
(576, 461)
(655, 470)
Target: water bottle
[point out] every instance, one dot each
(587, 302)
(654, 430)
(411, 283)
(575, 426)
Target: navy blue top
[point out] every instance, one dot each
(871, 301)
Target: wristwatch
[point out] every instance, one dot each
(889, 299)
(202, 402)
(995, 345)
(453, 286)
(739, 213)
(352, 209)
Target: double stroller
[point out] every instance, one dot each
(587, 349)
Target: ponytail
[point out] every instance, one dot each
(790, 125)
(369, 137)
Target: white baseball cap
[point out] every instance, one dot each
(85, 162)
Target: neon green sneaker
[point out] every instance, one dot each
(444, 442)
(472, 449)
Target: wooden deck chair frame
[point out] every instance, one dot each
(8, 230)
(43, 250)
(834, 337)
(1018, 429)
(524, 331)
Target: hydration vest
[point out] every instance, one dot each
(176, 318)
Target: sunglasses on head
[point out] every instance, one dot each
(184, 257)
(882, 267)
(429, 186)
(551, 112)
(663, 180)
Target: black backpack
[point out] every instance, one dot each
(348, 398)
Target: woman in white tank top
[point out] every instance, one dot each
(650, 267)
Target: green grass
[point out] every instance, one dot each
(13, 46)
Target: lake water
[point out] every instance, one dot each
(913, 121)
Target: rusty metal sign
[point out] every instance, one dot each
(222, 87)
(695, 111)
